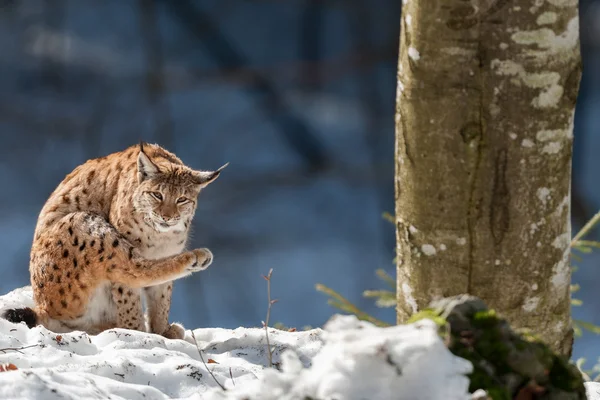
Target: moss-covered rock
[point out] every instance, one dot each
(505, 364)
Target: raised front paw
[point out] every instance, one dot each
(203, 258)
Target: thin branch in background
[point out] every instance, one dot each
(266, 321)
(203, 362)
(155, 73)
(18, 349)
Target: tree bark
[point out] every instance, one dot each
(484, 120)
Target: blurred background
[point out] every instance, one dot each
(298, 95)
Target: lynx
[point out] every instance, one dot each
(114, 229)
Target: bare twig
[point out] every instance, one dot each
(266, 322)
(203, 362)
(231, 376)
(18, 349)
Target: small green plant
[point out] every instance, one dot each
(589, 375)
(340, 302)
(580, 245)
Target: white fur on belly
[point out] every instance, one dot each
(101, 310)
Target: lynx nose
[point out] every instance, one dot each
(169, 221)
(168, 213)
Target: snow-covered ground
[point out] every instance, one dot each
(348, 359)
(593, 390)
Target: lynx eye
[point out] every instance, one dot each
(156, 195)
(182, 200)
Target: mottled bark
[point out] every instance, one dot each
(484, 120)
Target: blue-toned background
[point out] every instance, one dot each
(298, 95)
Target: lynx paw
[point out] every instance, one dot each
(203, 259)
(174, 331)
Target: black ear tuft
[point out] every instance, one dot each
(17, 315)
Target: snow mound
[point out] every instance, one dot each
(350, 360)
(361, 361)
(593, 390)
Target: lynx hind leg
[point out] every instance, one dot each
(158, 302)
(175, 331)
(130, 313)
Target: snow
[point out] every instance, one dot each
(555, 138)
(408, 297)
(527, 143)
(552, 148)
(549, 97)
(543, 194)
(414, 54)
(563, 3)
(348, 359)
(360, 361)
(562, 241)
(530, 304)
(547, 81)
(428, 249)
(554, 134)
(547, 17)
(593, 390)
(546, 39)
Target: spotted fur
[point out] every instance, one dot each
(114, 229)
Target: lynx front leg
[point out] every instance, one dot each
(158, 300)
(137, 272)
(130, 314)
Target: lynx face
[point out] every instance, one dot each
(165, 205)
(167, 193)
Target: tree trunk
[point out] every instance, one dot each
(484, 120)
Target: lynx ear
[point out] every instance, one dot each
(203, 178)
(146, 168)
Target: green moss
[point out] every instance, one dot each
(498, 394)
(529, 336)
(565, 376)
(485, 319)
(503, 361)
(428, 313)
